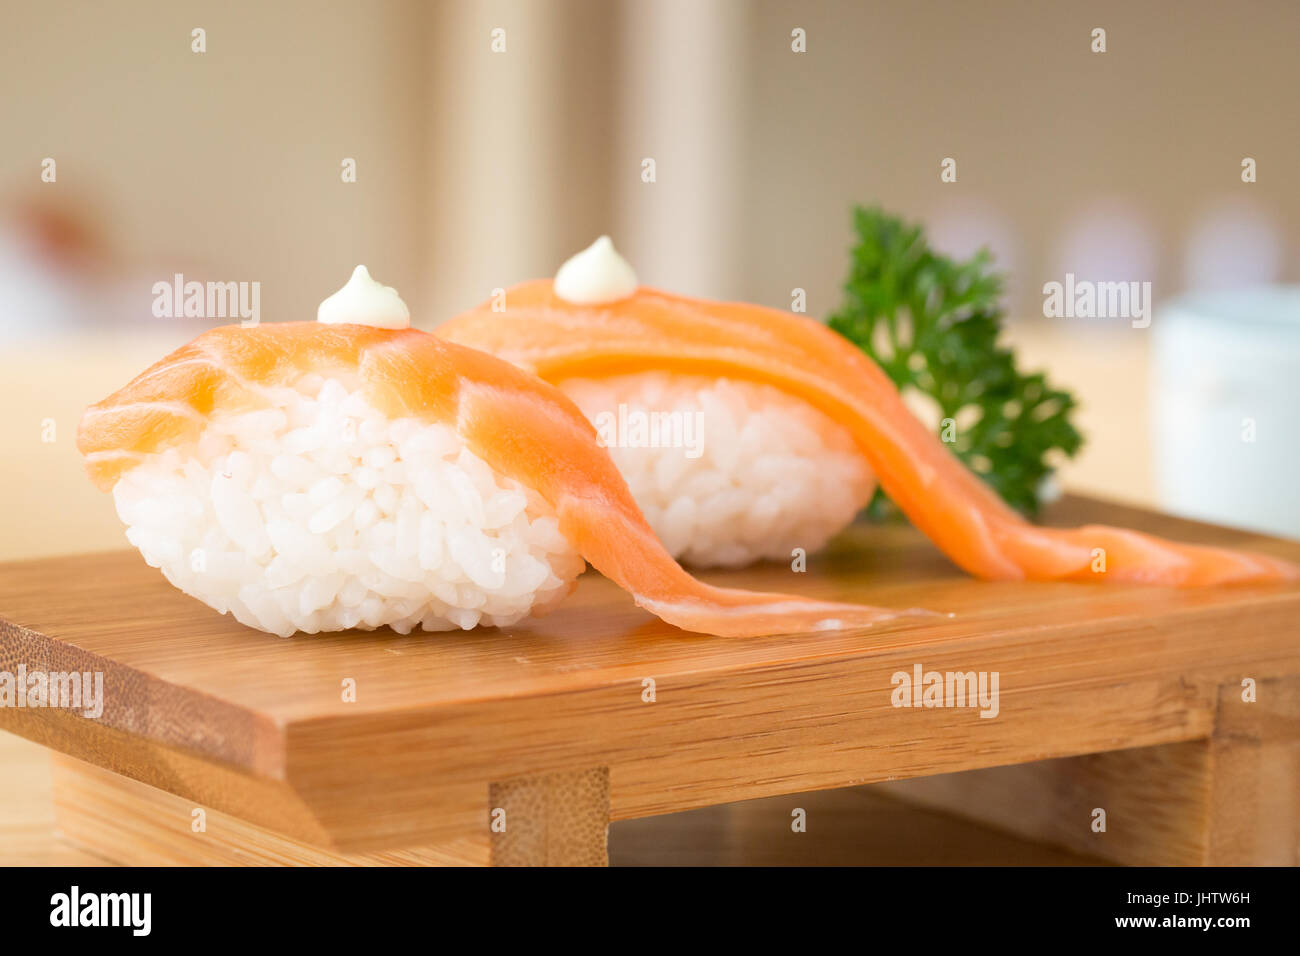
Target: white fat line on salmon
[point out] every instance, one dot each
(1098, 300)
(208, 300)
(108, 455)
(67, 690)
(175, 408)
(637, 428)
(210, 362)
(946, 689)
(880, 615)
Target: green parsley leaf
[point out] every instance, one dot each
(932, 324)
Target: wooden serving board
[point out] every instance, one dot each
(552, 722)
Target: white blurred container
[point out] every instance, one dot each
(1220, 362)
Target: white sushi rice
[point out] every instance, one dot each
(319, 513)
(770, 473)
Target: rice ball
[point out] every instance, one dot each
(726, 471)
(316, 512)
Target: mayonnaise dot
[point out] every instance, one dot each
(363, 301)
(595, 275)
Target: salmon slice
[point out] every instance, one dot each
(556, 339)
(521, 426)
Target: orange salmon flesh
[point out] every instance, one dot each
(555, 339)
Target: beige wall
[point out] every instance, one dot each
(226, 164)
(476, 170)
(1045, 132)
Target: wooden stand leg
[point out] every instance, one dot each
(1231, 799)
(558, 819)
(1254, 806)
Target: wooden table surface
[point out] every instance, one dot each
(259, 726)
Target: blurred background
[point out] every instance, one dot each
(477, 168)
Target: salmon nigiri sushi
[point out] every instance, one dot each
(355, 472)
(790, 426)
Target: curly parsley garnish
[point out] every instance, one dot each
(932, 324)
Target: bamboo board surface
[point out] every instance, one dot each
(257, 726)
